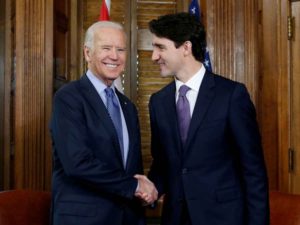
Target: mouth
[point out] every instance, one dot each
(110, 65)
(161, 64)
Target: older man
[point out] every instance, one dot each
(96, 141)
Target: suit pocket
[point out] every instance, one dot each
(228, 194)
(76, 209)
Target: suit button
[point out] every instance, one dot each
(184, 170)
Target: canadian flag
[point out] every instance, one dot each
(104, 15)
(104, 10)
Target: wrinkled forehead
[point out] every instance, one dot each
(110, 36)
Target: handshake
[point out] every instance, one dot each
(146, 190)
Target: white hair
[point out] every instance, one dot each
(89, 35)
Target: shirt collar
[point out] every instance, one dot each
(97, 83)
(193, 83)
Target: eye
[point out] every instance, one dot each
(159, 47)
(106, 48)
(121, 49)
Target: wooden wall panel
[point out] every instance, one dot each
(2, 86)
(232, 35)
(250, 40)
(268, 100)
(7, 106)
(283, 97)
(33, 95)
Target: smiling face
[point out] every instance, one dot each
(167, 56)
(107, 57)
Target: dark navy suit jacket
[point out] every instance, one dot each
(220, 171)
(90, 184)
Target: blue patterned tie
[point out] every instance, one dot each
(183, 112)
(115, 114)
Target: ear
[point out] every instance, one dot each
(87, 53)
(187, 46)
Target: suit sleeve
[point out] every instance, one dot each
(71, 143)
(157, 169)
(248, 141)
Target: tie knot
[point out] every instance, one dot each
(183, 90)
(109, 92)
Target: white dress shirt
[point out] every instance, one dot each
(194, 85)
(100, 88)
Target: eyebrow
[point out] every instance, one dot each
(158, 45)
(111, 46)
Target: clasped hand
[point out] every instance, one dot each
(146, 190)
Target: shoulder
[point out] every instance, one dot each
(66, 90)
(236, 92)
(165, 91)
(224, 84)
(74, 88)
(222, 80)
(70, 93)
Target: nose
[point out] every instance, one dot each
(114, 53)
(155, 55)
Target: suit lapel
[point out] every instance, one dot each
(92, 97)
(129, 123)
(170, 114)
(205, 96)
